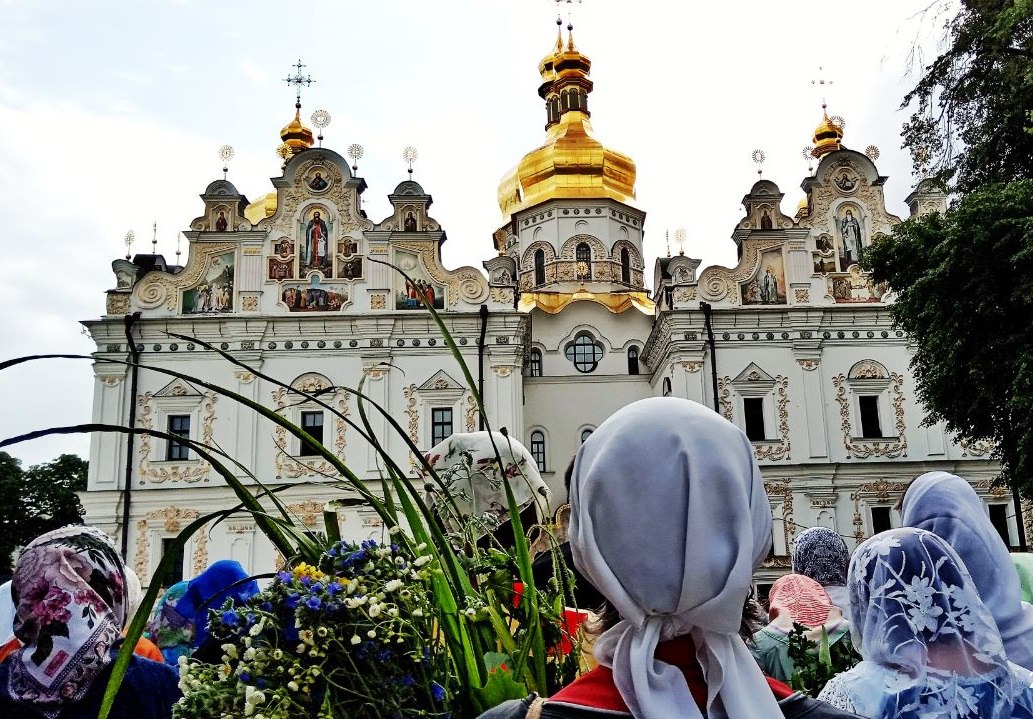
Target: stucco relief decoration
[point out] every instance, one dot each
(309, 512)
(161, 288)
(249, 303)
(808, 363)
(997, 490)
(882, 491)
(774, 451)
(502, 295)
(377, 301)
(412, 411)
(685, 294)
(117, 303)
(244, 376)
(802, 295)
(891, 448)
(719, 283)
(782, 491)
(470, 413)
(190, 470)
(976, 448)
(288, 465)
(172, 520)
(692, 366)
(724, 393)
(867, 370)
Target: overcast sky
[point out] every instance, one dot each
(111, 115)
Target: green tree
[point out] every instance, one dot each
(37, 500)
(972, 103)
(964, 282)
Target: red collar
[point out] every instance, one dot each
(597, 690)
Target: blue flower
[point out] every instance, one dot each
(306, 581)
(407, 681)
(245, 677)
(292, 600)
(384, 656)
(316, 588)
(230, 618)
(284, 577)
(266, 606)
(314, 603)
(333, 588)
(437, 691)
(261, 683)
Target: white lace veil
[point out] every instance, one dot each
(931, 648)
(668, 520)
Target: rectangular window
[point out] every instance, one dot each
(312, 422)
(871, 427)
(753, 412)
(999, 518)
(179, 425)
(536, 363)
(176, 570)
(881, 521)
(441, 425)
(538, 449)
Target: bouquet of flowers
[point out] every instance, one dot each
(354, 637)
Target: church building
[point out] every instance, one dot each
(795, 344)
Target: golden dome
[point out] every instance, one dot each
(571, 163)
(828, 136)
(261, 208)
(802, 207)
(295, 135)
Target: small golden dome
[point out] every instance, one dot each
(571, 163)
(828, 136)
(295, 134)
(802, 207)
(261, 208)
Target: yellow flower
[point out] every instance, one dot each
(307, 570)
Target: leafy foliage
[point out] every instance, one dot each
(965, 295)
(972, 104)
(37, 500)
(814, 664)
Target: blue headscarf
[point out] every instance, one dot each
(210, 590)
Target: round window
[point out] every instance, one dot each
(584, 352)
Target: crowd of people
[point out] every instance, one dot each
(936, 613)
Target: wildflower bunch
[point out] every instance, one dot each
(354, 637)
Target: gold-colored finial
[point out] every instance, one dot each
(295, 135)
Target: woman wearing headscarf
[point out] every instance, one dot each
(931, 647)
(947, 505)
(1024, 566)
(69, 589)
(170, 630)
(225, 579)
(821, 554)
(796, 599)
(668, 520)
(134, 597)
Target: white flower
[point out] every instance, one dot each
(257, 629)
(393, 585)
(374, 610)
(417, 612)
(292, 685)
(923, 617)
(302, 648)
(356, 639)
(421, 561)
(372, 634)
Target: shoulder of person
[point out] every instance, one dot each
(801, 706)
(512, 709)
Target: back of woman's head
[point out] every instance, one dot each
(915, 607)
(799, 599)
(822, 555)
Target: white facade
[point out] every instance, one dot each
(805, 355)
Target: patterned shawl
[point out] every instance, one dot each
(170, 630)
(821, 554)
(799, 599)
(69, 590)
(931, 648)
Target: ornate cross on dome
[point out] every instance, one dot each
(297, 79)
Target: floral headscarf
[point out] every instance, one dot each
(931, 648)
(69, 590)
(947, 505)
(478, 488)
(799, 599)
(170, 630)
(821, 554)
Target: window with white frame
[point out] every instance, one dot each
(753, 418)
(312, 423)
(440, 425)
(882, 519)
(538, 449)
(584, 351)
(756, 406)
(870, 383)
(535, 362)
(178, 425)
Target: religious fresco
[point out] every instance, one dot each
(855, 286)
(850, 233)
(313, 297)
(214, 292)
(408, 294)
(349, 268)
(825, 254)
(317, 227)
(768, 286)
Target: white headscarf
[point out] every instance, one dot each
(476, 483)
(6, 613)
(947, 506)
(668, 520)
(930, 646)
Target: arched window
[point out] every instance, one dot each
(625, 266)
(539, 267)
(585, 434)
(667, 387)
(535, 363)
(584, 352)
(583, 253)
(538, 449)
(633, 360)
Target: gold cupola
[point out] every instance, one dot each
(571, 163)
(295, 135)
(828, 136)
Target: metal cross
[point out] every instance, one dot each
(297, 79)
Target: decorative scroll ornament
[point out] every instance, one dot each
(880, 490)
(308, 511)
(161, 287)
(864, 448)
(783, 491)
(172, 520)
(190, 470)
(286, 464)
(775, 451)
(412, 410)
